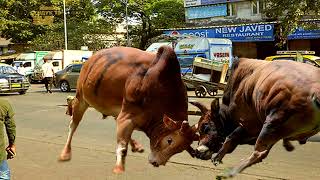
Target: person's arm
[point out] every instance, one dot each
(10, 129)
(52, 69)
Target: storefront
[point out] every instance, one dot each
(305, 40)
(249, 40)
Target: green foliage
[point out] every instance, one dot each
(154, 15)
(89, 22)
(145, 17)
(17, 23)
(293, 14)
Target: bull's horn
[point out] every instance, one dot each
(202, 107)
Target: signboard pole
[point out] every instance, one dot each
(65, 25)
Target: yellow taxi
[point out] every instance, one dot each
(301, 56)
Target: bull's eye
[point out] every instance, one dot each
(205, 128)
(169, 141)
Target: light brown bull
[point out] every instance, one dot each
(144, 92)
(263, 103)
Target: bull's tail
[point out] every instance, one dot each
(69, 105)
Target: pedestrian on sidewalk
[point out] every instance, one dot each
(6, 122)
(48, 73)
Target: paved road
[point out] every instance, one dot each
(42, 131)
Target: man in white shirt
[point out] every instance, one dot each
(48, 73)
(21, 69)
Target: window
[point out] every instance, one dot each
(55, 64)
(257, 6)
(7, 70)
(76, 68)
(27, 64)
(232, 9)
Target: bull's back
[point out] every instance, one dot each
(272, 86)
(102, 80)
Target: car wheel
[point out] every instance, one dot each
(64, 86)
(22, 92)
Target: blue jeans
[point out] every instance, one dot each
(4, 170)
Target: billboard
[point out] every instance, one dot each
(244, 33)
(206, 11)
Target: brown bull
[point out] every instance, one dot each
(144, 91)
(263, 103)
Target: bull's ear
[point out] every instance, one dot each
(199, 105)
(215, 107)
(169, 123)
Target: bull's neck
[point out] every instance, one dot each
(228, 125)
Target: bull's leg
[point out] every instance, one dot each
(79, 107)
(125, 127)
(136, 146)
(229, 145)
(269, 135)
(287, 145)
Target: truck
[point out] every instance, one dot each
(30, 60)
(210, 49)
(60, 60)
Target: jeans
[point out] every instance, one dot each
(4, 170)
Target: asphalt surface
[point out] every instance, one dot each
(42, 128)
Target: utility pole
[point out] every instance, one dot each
(65, 25)
(128, 41)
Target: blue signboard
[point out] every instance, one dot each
(304, 34)
(206, 11)
(245, 33)
(206, 2)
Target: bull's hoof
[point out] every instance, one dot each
(64, 157)
(216, 160)
(288, 147)
(228, 173)
(118, 169)
(138, 149)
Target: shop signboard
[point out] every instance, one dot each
(189, 3)
(245, 33)
(300, 33)
(206, 11)
(207, 2)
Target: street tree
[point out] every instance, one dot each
(26, 22)
(293, 14)
(145, 16)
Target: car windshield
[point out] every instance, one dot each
(7, 70)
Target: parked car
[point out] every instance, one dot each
(12, 81)
(307, 57)
(67, 78)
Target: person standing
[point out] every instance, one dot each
(21, 69)
(48, 73)
(6, 122)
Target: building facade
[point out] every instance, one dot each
(243, 22)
